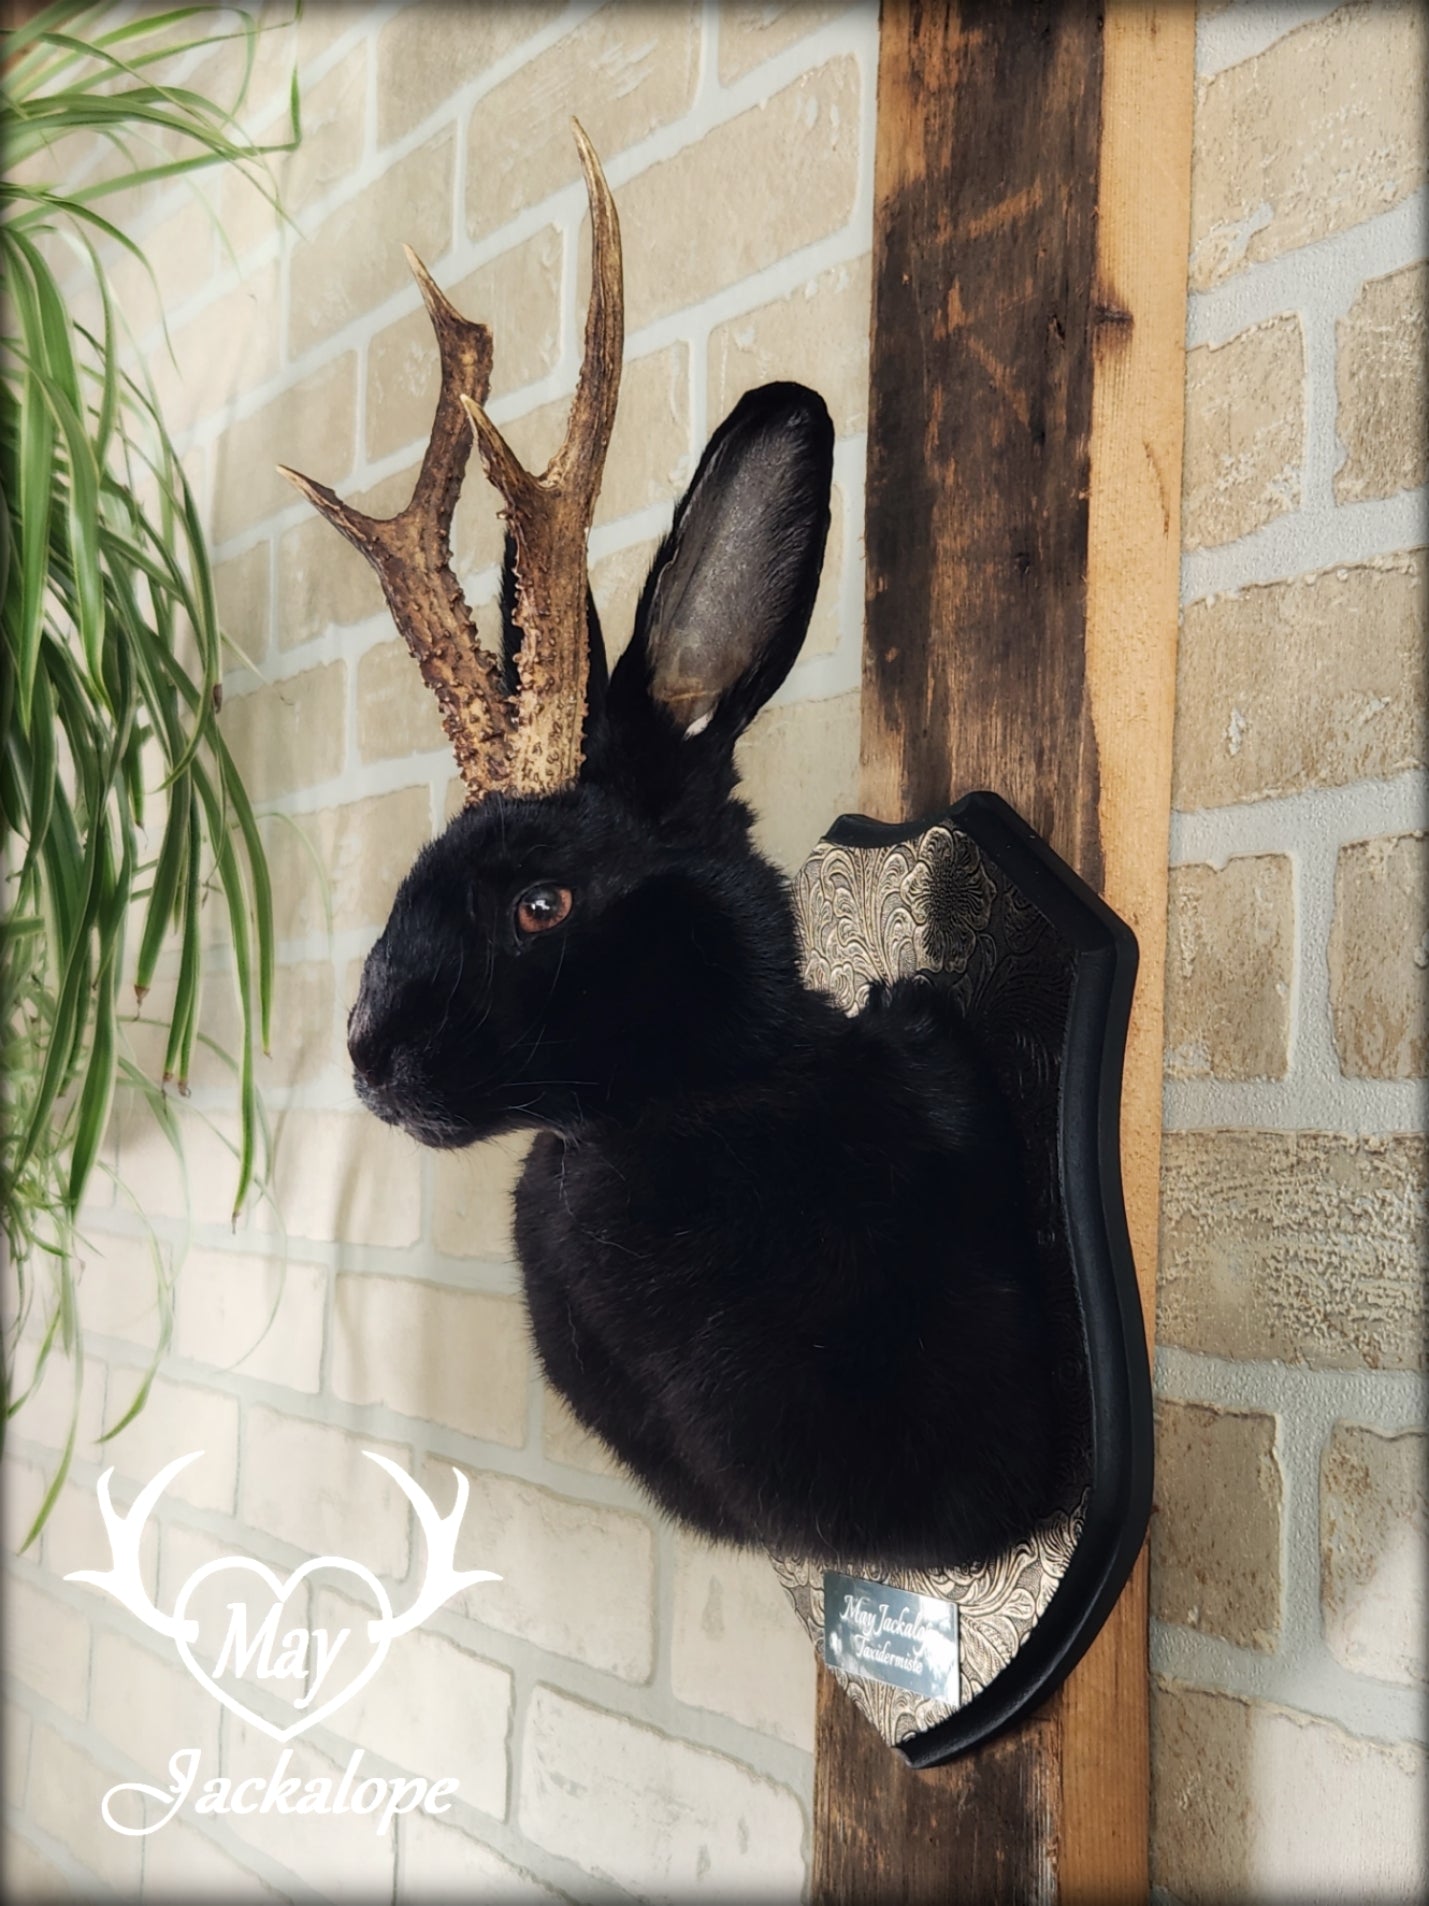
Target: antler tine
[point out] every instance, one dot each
(443, 1578)
(582, 455)
(411, 553)
(124, 1576)
(550, 515)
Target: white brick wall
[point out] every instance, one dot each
(376, 1304)
(1300, 734)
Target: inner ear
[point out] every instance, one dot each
(729, 598)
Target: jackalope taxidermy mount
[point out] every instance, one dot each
(776, 1257)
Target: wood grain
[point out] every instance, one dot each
(984, 1829)
(1032, 192)
(1133, 590)
(980, 415)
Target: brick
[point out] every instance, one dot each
(799, 766)
(1374, 1536)
(517, 296)
(314, 32)
(564, 1440)
(178, 1417)
(121, 1290)
(471, 1199)
(397, 713)
(449, 1356)
(439, 1861)
(152, 1176)
(249, 218)
(47, 1645)
(519, 145)
(1382, 417)
(259, 1316)
(28, 1875)
(304, 1029)
(24, 1491)
(75, 1536)
(1245, 429)
(65, 1791)
(345, 1176)
(227, 350)
(1251, 1801)
(650, 1813)
(749, 35)
(422, 60)
(1229, 967)
(433, 1707)
(1378, 954)
(149, 1703)
(540, 1544)
(240, 588)
(736, 1645)
(310, 427)
(359, 852)
(334, 122)
(289, 734)
(354, 259)
(49, 1408)
(15, 1760)
(1304, 1247)
(282, 44)
(335, 1856)
(323, 582)
(180, 1863)
(1322, 130)
(696, 232)
(817, 335)
(177, 264)
(1281, 688)
(347, 1506)
(1215, 1573)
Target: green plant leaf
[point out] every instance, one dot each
(104, 571)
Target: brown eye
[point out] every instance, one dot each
(541, 908)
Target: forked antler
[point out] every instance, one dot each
(530, 741)
(124, 1578)
(443, 1578)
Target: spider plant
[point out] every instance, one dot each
(121, 812)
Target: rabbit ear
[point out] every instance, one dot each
(728, 600)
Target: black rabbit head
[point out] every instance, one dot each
(555, 958)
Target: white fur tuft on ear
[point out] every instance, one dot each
(699, 724)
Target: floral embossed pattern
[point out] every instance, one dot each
(934, 904)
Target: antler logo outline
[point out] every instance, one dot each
(124, 1580)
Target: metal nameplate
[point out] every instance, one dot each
(892, 1635)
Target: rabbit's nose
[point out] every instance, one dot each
(369, 1051)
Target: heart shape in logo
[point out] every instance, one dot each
(281, 1591)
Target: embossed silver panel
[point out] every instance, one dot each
(885, 913)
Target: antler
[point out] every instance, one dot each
(549, 516)
(124, 1580)
(443, 1579)
(529, 741)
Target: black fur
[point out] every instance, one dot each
(775, 1257)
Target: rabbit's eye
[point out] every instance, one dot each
(541, 908)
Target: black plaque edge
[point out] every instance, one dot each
(1089, 1151)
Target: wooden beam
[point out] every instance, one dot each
(1032, 185)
